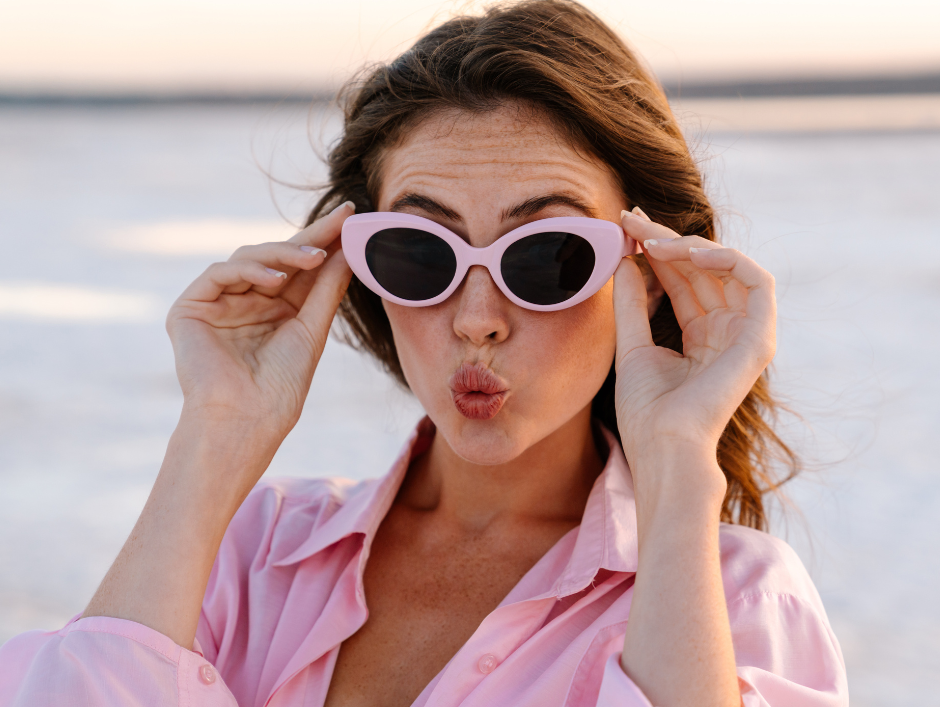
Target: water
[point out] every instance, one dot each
(105, 215)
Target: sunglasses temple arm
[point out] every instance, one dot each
(629, 247)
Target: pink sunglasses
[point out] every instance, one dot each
(545, 265)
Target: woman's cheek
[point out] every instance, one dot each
(568, 355)
(591, 338)
(421, 339)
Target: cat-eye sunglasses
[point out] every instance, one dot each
(544, 265)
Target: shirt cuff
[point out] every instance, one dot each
(197, 682)
(617, 689)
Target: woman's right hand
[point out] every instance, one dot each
(247, 342)
(249, 332)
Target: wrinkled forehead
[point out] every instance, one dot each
(481, 155)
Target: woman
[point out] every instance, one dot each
(552, 533)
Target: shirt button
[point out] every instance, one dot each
(206, 674)
(488, 663)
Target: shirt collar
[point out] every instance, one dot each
(365, 503)
(607, 536)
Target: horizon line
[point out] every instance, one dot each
(911, 83)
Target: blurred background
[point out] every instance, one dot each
(141, 140)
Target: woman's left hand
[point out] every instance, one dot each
(671, 411)
(724, 303)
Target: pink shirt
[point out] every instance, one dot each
(286, 590)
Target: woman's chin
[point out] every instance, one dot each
(485, 441)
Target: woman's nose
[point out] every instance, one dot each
(481, 315)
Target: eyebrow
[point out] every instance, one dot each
(529, 207)
(426, 204)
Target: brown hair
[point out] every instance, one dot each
(558, 58)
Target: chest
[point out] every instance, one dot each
(425, 599)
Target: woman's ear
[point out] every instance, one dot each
(654, 290)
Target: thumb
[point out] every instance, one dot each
(630, 311)
(316, 314)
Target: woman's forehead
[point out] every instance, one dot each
(508, 149)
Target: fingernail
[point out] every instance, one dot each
(651, 241)
(639, 212)
(348, 204)
(310, 249)
(696, 250)
(624, 214)
(276, 272)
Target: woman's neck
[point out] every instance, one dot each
(549, 482)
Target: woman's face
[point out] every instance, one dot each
(496, 378)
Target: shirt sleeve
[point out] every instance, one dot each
(785, 652)
(617, 689)
(106, 662)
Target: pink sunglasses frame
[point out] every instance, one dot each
(608, 240)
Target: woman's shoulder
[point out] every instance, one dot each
(778, 623)
(301, 495)
(756, 565)
(281, 514)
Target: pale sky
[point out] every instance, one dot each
(289, 44)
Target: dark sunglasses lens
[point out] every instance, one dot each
(411, 264)
(547, 268)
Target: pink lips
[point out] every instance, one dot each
(478, 393)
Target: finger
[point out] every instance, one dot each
(676, 248)
(760, 303)
(289, 258)
(630, 311)
(323, 235)
(677, 287)
(282, 253)
(297, 288)
(654, 289)
(735, 294)
(640, 228)
(662, 245)
(324, 231)
(219, 276)
(324, 297)
(234, 311)
(709, 289)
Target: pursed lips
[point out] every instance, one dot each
(477, 392)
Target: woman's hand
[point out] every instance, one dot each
(671, 411)
(724, 303)
(249, 332)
